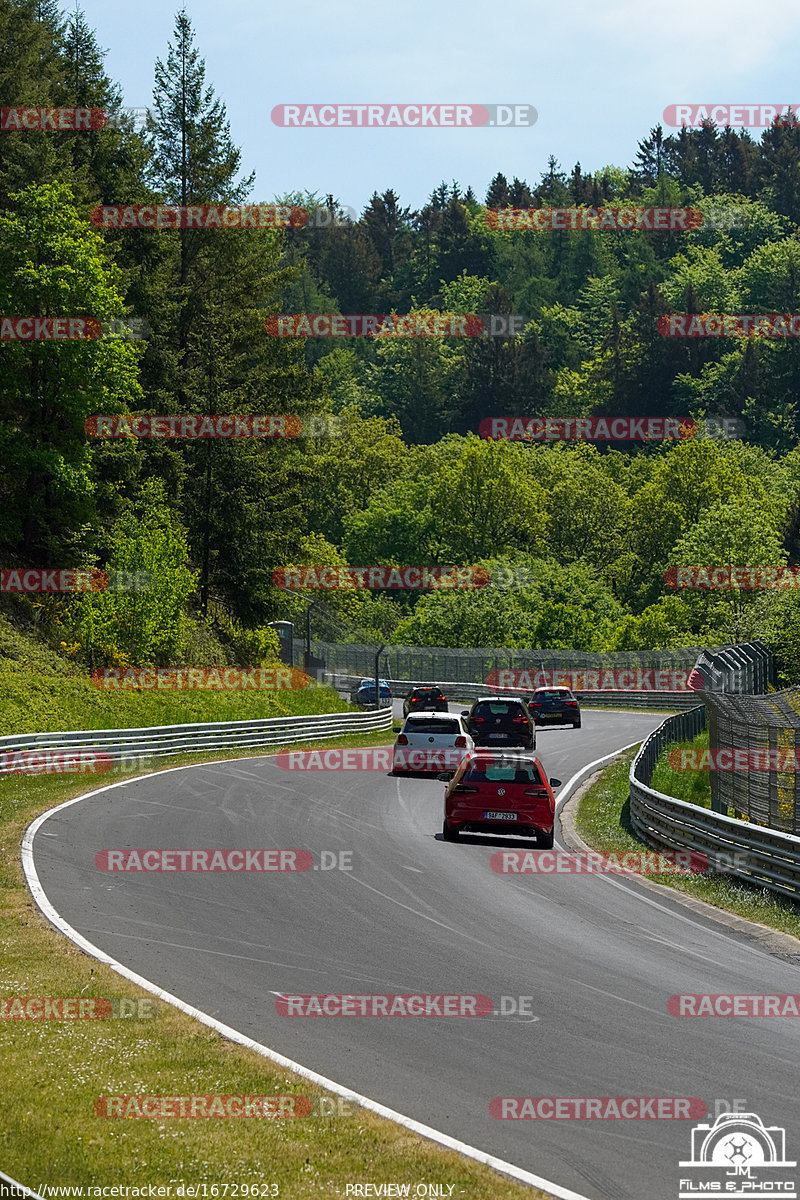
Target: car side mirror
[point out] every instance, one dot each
(465, 712)
(445, 776)
(555, 783)
(397, 729)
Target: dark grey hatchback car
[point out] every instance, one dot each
(501, 721)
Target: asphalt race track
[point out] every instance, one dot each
(600, 956)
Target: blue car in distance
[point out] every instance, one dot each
(365, 693)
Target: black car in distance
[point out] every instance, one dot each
(555, 706)
(425, 697)
(501, 721)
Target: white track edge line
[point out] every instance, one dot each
(579, 776)
(233, 1035)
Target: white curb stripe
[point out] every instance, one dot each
(241, 1039)
(26, 1191)
(579, 776)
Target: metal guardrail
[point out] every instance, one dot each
(458, 690)
(761, 856)
(152, 741)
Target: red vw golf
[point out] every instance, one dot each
(499, 791)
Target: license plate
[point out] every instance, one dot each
(499, 816)
(555, 714)
(498, 735)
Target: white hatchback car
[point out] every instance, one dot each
(430, 742)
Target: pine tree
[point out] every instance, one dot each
(553, 187)
(209, 292)
(386, 223)
(498, 196)
(109, 163)
(778, 170)
(649, 161)
(519, 194)
(30, 71)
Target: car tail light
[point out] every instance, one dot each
(540, 792)
(464, 787)
(476, 719)
(520, 720)
(402, 740)
(537, 704)
(571, 703)
(460, 741)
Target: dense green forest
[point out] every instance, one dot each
(577, 536)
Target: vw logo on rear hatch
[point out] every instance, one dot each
(430, 739)
(501, 791)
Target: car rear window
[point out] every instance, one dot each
(427, 693)
(500, 708)
(553, 694)
(505, 772)
(432, 725)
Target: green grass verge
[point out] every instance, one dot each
(692, 786)
(53, 1071)
(603, 821)
(43, 692)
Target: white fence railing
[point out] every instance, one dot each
(158, 740)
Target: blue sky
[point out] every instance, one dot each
(599, 75)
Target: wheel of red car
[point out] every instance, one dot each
(449, 833)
